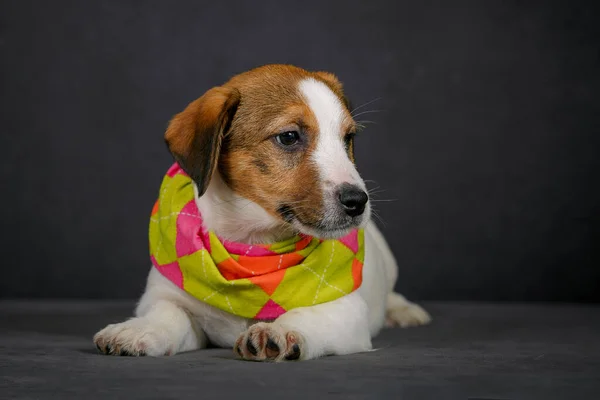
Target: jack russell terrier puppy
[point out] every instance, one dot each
(261, 237)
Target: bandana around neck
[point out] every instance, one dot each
(252, 281)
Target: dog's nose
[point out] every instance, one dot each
(353, 199)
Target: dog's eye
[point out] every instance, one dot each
(348, 140)
(288, 138)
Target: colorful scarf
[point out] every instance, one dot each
(252, 281)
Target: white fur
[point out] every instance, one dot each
(330, 155)
(252, 225)
(168, 320)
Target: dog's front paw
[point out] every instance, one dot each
(136, 337)
(269, 342)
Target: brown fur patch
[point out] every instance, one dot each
(194, 136)
(262, 166)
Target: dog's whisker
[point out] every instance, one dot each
(376, 193)
(246, 205)
(365, 104)
(366, 121)
(296, 201)
(367, 112)
(376, 215)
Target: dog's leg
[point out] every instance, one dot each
(165, 330)
(337, 327)
(403, 313)
(161, 326)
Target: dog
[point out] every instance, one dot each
(266, 157)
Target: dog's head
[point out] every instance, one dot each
(281, 137)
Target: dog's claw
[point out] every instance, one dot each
(295, 353)
(251, 347)
(268, 342)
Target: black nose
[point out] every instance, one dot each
(353, 199)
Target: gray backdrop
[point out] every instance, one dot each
(486, 137)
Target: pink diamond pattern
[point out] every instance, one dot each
(189, 224)
(271, 310)
(170, 271)
(351, 241)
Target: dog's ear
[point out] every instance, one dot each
(334, 84)
(194, 136)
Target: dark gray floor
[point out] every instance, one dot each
(470, 351)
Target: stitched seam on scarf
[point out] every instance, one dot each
(246, 253)
(228, 303)
(324, 272)
(327, 283)
(203, 266)
(160, 242)
(212, 294)
(318, 276)
(210, 286)
(174, 213)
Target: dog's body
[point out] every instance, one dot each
(244, 144)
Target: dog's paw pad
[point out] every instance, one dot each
(131, 338)
(409, 314)
(268, 342)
